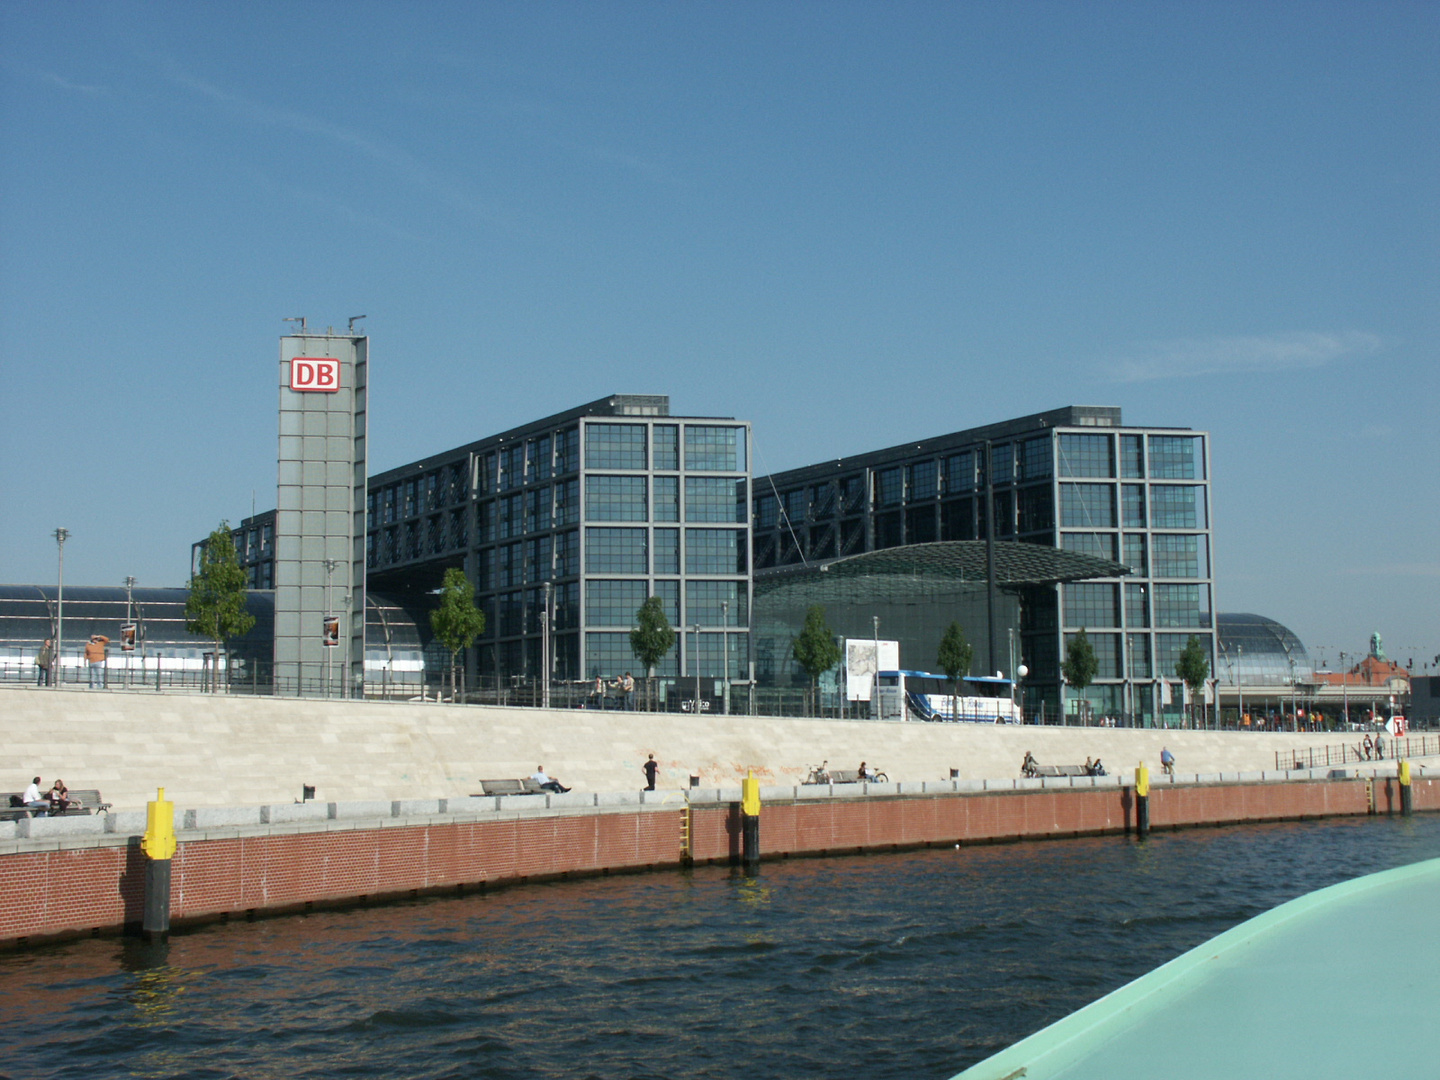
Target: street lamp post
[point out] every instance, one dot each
(697, 669)
(545, 661)
(129, 621)
(61, 535)
(725, 651)
(1345, 689)
(330, 565)
(875, 678)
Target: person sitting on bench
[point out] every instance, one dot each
(59, 797)
(34, 800)
(546, 783)
(1027, 766)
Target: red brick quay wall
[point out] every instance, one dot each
(62, 888)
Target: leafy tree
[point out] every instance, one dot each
(650, 640)
(815, 649)
(1192, 666)
(956, 655)
(1080, 666)
(457, 622)
(215, 608)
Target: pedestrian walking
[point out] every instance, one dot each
(650, 771)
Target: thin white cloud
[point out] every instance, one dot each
(66, 84)
(1396, 570)
(399, 161)
(1257, 355)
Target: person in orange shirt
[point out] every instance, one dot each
(95, 657)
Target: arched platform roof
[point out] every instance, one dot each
(1016, 565)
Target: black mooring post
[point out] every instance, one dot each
(156, 926)
(1407, 801)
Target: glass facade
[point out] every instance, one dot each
(588, 508)
(1076, 479)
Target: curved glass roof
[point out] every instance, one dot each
(1016, 564)
(1257, 651)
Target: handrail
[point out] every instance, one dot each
(1313, 757)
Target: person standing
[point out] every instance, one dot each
(95, 657)
(627, 687)
(651, 769)
(43, 660)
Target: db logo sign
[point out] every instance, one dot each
(315, 373)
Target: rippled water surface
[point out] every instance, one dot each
(908, 965)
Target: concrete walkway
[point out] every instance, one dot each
(213, 751)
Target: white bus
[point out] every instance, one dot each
(920, 695)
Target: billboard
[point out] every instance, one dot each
(861, 665)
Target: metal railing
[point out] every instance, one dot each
(1315, 757)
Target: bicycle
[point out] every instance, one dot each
(819, 774)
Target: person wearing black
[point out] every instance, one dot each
(651, 768)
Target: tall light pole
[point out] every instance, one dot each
(545, 661)
(61, 535)
(330, 566)
(875, 678)
(1345, 689)
(725, 650)
(129, 621)
(697, 668)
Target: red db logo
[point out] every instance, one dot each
(315, 373)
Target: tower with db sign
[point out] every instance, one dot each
(320, 522)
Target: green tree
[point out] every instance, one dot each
(956, 655)
(457, 622)
(1192, 667)
(650, 640)
(815, 649)
(215, 608)
(1080, 666)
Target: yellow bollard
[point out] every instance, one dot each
(1407, 803)
(1142, 800)
(158, 844)
(159, 839)
(750, 819)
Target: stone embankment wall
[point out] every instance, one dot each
(216, 751)
(73, 876)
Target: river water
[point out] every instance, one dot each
(909, 965)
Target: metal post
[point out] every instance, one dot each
(696, 709)
(1345, 690)
(990, 554)
(330, 565)
(875, 678)
(129, 621)
(545, 657)
(61, 535)
(725, 651)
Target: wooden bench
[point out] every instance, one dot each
(88, 798)
(511, 787)
(852, 776)
(1061, 770)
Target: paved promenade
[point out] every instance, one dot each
(215, 751)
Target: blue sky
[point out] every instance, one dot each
(852, 224)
